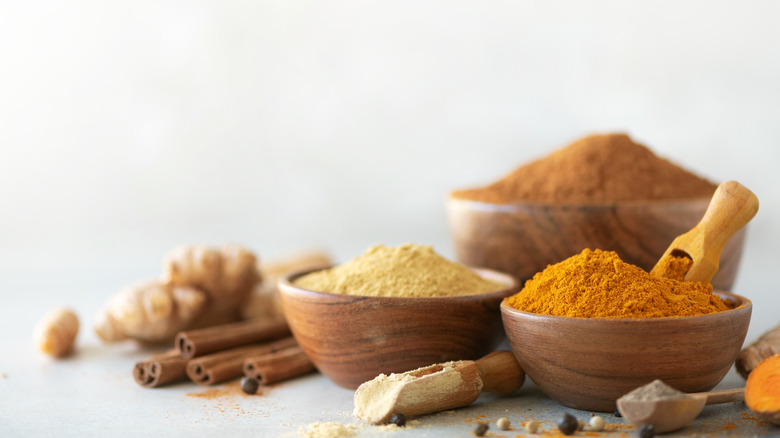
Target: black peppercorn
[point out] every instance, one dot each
(249, 385)
(647, 431)
(568, 424)
(617, 413)
(399, 420)
(481, 429)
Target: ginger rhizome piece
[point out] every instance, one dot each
(56, 333)
(762, 390)
(227, 275)
(201, 286)
(264, 302)
(765, 346)
(150, 312)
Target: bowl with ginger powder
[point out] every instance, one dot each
(601, 191)
(394, 309)
(592, 328)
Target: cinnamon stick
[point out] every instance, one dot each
(224, 365)
(281, 365)
(194, 343)
(161, 369)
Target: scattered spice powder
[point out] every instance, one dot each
(405, 271)
(599, 168)
(227, 390)
(597, 284)
(729, 426)
(327, 430)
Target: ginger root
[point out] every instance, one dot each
(201, 287)
(762, 390)
(56, 333)
(765, 346)
(264, 302)
(227, 275)
(149, 312)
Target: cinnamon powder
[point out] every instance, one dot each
(599, 168)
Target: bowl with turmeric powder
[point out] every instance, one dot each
(602, 191)
(394, 309)
(592, 328)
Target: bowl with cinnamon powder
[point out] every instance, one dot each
(592, 328)
(394, 309)
(602, 191)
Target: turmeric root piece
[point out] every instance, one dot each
(264, 301)
(765, 346)
(56, 333)
(762, 390)
(227, 275)
(150, 312)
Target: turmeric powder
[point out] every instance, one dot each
(597, 284)
(673, 267)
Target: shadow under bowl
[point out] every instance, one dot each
(588, 363)
(523, 238)
(352, 339)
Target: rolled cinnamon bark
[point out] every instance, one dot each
(281, 365)
(218, 367)
(194, 343)
(161, 369)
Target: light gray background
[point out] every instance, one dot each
(127, 128)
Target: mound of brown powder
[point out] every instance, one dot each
(598, 168)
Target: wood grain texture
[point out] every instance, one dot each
(522, 239)
(352, 339)
(588, 363)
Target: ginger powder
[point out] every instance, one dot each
(408, 270)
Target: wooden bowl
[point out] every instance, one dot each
(588, 363)
(352, 339)
(523, 238)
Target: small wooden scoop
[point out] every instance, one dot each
(732, 206)
(437, 387)
(670, 414)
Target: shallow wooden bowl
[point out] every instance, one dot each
(523, 238)
(352, 339)
(588, 363)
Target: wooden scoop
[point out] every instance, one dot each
(437, 387)
(668, 414)
(732, 206)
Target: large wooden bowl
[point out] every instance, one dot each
(523, 238)
(352, 339)
(588, 363)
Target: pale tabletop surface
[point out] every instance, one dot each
(93, 393)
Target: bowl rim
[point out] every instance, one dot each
(520, 205)
(745, 305)
(512, 286)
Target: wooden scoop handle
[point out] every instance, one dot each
(500, 372)
(724, 396)
(732, 207)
